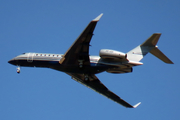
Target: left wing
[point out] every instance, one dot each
(95, 84)
(79, 50)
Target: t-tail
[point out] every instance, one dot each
(149, 45)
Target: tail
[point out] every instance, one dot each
(149, 45)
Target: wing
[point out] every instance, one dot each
(95, 84)
(79, 50)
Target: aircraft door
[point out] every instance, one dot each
(30, 57)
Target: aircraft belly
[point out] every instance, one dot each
(77, 69)
(92, 69)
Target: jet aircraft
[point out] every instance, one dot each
(77, 63)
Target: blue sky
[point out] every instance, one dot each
(52, 26)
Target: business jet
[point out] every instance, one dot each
(77, 63)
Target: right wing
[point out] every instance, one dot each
(95, 84)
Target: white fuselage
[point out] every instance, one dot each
(52, 61)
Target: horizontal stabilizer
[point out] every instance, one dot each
(135, 106)
(156, 52)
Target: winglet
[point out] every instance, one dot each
(98, 17)
(135, 106)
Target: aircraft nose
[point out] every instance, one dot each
(12, 61)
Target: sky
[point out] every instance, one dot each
(51, 26)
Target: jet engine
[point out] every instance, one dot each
(107, 53)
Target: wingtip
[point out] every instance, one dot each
(98, 17)
(135, 106)
(170, 62)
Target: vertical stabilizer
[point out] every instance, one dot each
(149, 45)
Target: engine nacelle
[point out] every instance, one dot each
(119, 70)
(106, 53)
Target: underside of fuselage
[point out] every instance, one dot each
(94, 68)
